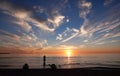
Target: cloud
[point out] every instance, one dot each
(25, 17)
(56, 20)
(75, 30)
(69, 38)
(39, 9)
(84, 8)
(41, 25)
(28, 38)
(19, 13)
(68, 34)
(67, 30)
(67, 20)
(114, 41)
(40, 44)
(110, 25)
(107, 2)
(45, 42)
(62, 47)
(83, 31)
(4, 35)
(99, 31)
(9, 40)
(59, 37)
(23, 24)
(85, 41)
(82, 46)
(64, 34)
(23, 41)
(109, 32)
(67, 47)
(32, 41)
(111, 41)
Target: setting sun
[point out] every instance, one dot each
(69, 53)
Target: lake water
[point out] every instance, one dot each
(36, 61)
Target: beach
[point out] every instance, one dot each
(96, 71)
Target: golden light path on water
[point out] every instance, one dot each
(69, 54)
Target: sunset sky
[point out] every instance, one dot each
(54, 26)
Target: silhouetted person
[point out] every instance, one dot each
(44, 61)
(25, 66)
(53, 66)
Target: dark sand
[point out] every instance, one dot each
(98, 71)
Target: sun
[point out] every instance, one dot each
(69, 53)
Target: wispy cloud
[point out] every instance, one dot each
(103, 29)
(82, 46)
(109, 31)
(13, 36)
(32, 26)
(73, 35)
(61, 47)
(23, 24)
(107, 2)
(59, 37)
(95, 32)
(39, 9)
(85, 41)
(83, 31)
(67, 47)
(84, 8)
(19, 13)
(67, 20)
(68, 34)
(24, 17)
(27, 19)
(56, 20)
(23, 41)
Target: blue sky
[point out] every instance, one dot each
(53, 24)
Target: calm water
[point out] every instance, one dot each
(17, 61)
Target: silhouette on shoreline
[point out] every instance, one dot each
(52, 66)
(26, 66)
(44, 61)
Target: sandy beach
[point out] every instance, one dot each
(96, 71)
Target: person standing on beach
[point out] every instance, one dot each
(26, 66)
(44, 61)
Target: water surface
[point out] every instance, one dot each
(36, 61)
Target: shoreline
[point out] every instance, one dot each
(96, 71)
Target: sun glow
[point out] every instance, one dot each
(69, 53)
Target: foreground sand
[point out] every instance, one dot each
(62, 72)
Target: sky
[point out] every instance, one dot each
(52, 26)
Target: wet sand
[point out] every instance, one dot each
(98, 71)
